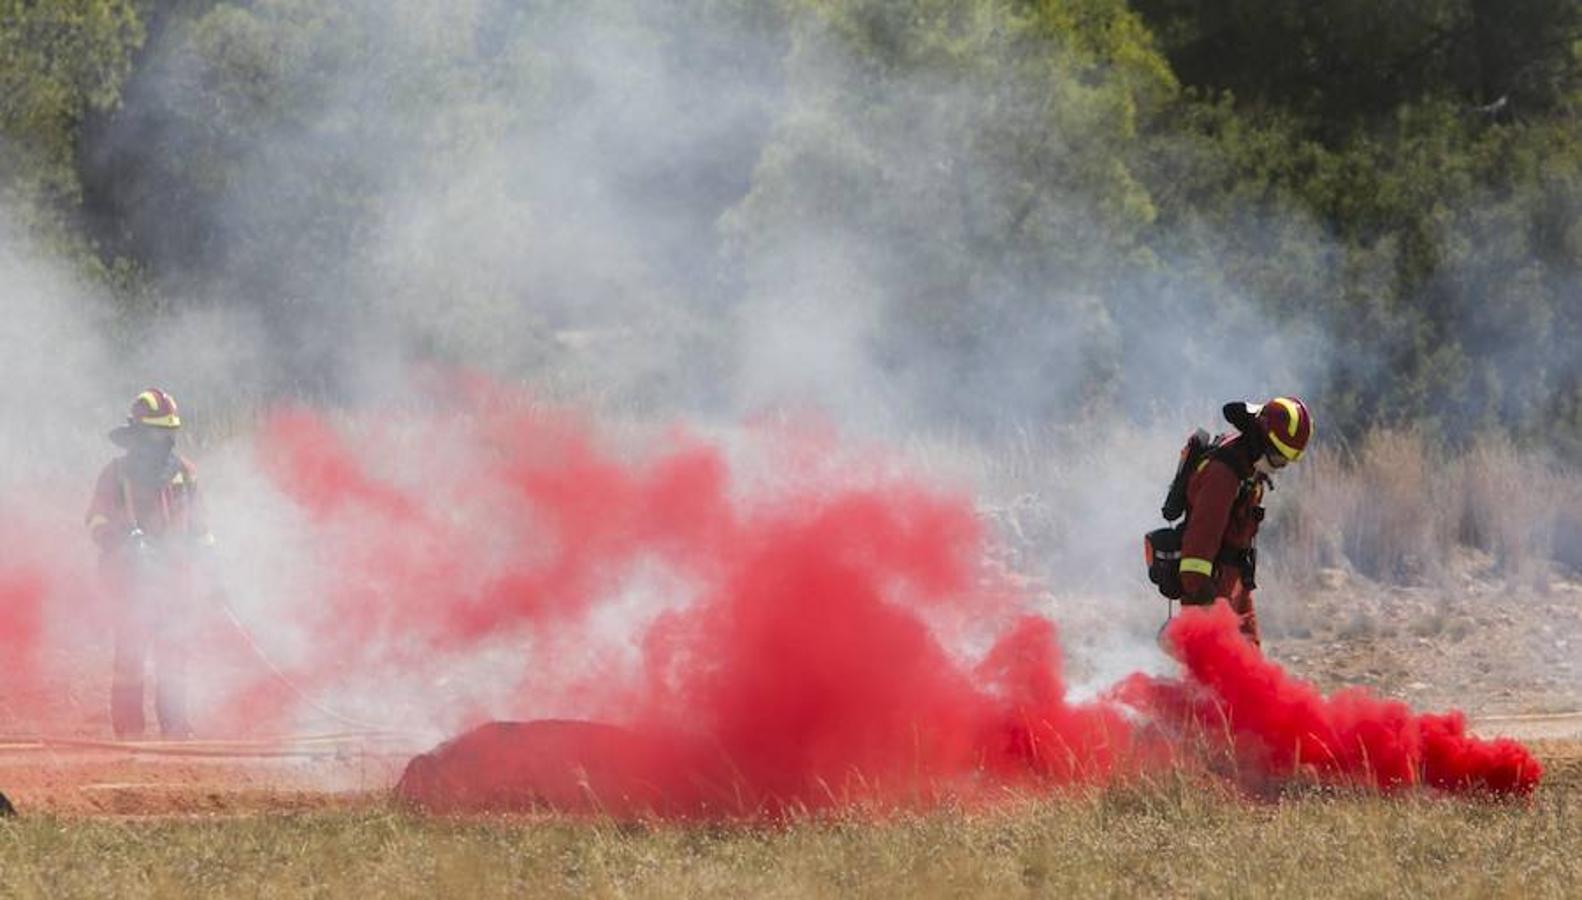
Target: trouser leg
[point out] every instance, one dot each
(170, 688)
(126, 684)
(1241, 602)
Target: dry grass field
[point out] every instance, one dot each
(1162, 839)
(1170, 836)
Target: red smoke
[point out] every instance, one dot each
(811, 655)
(775, 627)
(798, 664)
(812, 673)
(1276, 726)
(45, 595)
(23, 586)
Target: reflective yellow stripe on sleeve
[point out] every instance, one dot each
(1193, 565)
(97, 521)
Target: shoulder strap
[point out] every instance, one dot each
(1229, 453)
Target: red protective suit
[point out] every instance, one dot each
(148, 522)
(1224, 509)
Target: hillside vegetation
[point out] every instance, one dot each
(1377, 203)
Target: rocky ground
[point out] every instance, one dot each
(1474, 642)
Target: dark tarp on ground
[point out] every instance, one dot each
(563, 765)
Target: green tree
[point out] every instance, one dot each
(963, 166)
(1347, 60)
(59, 59)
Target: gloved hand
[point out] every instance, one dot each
(138, 545)
(1197, 590)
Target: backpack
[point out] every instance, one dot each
(1162, 546)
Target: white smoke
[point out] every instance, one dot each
(619, 215)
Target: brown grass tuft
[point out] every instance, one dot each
(1398, 509)
(1512, 499)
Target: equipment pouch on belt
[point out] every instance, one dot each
(1162, 554)
(1245, 559)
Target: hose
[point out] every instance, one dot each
(284, 679)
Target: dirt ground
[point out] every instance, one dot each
(58, 755)
(1474, 643)
(197, 777)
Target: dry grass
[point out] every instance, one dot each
(1312, 510)
(1512, 500)
(1162, 840)
(1382, 509)
(1398, 507)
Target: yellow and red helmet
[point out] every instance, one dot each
(1287, 424)
(154, 409)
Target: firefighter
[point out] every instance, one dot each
(148, 523)
(1224, 503)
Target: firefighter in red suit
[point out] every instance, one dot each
(1225, 503)
(148, 523)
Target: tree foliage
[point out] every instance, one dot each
(963, 179)
(1344, 60)
(1056, 203)
(58, 61)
